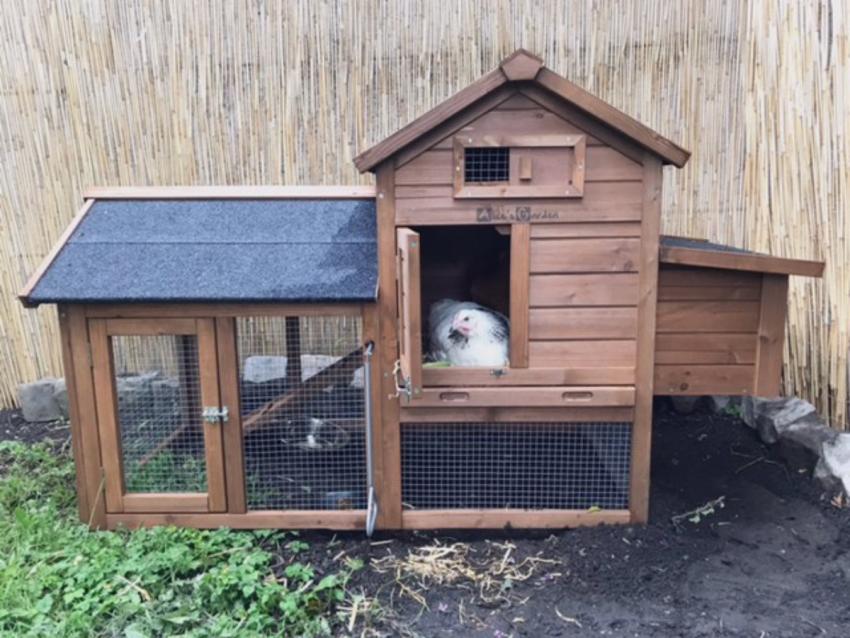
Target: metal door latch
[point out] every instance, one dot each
(215, 414)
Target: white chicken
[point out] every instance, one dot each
(463, 333)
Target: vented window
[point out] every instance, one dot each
(486, 165)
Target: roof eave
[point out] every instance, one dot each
(752, 262)
(522, 66)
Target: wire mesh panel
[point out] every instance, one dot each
(515, 465)
(488, 164)
(303, 412)
(159, 413)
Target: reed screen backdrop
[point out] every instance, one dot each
(233, 92)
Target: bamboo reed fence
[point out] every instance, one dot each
(237, 92)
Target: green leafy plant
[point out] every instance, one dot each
(57, 578)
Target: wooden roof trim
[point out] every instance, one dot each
(522, 66)
(36, 276)
(669, 151)
(371, 157)
(231, 192)
(754, 262)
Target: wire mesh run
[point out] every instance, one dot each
(159, 413)
(303, 412)
(486, 165)
(515, 465)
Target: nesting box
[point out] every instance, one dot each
(255, 357)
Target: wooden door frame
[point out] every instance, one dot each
(106, 400)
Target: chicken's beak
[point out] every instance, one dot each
(458, 326)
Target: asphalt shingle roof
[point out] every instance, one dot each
(217, 250)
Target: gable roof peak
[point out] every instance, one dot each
(524, 67)
(521, 65)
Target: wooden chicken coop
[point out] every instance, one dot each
(256, 356)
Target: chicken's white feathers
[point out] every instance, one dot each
(464, 333)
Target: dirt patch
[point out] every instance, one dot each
(774, 561)
(14, 428)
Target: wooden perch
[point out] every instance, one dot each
(312, 386)
(259, 417)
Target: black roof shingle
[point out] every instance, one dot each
(237, 250)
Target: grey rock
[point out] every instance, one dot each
(771, 416)
(60, 393)
(38, 401)
(259, 369)
(836, 459)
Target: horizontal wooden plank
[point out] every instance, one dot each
(709, 293)
(589, 229)
(527, 397)
(536, 121)
(230, 192)
(669, 275)
(292, 519)
(163, 310)
(707, 316)
(608, 289)
(584, 255)
(583, 323)
(704, 357)
(439, 212)
(604, 163)
(547, 354)
(696, 380)
(453, 414)
(435, 197)
(706, 347)
(166, 502)
(507, 377)
(433, 167)
(496, 519)
(162, 326)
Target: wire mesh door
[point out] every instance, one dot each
(159, 415)
(302, 391)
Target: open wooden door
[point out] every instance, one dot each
(159, 414)
(409, 313)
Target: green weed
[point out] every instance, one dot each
(57, 578)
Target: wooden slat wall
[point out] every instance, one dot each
(707, 331)
(583, 294)
(583, 264)
(424, 184)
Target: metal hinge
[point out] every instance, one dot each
(215, 415)
(403, 386)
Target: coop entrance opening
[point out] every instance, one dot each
(463, 263)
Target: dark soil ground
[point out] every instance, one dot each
(774, 561)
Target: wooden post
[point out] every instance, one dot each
(519, 286)
(645, 363)
(771, 335)
(66, 336)
(228, 361)
(293, 351)
(387, 427)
